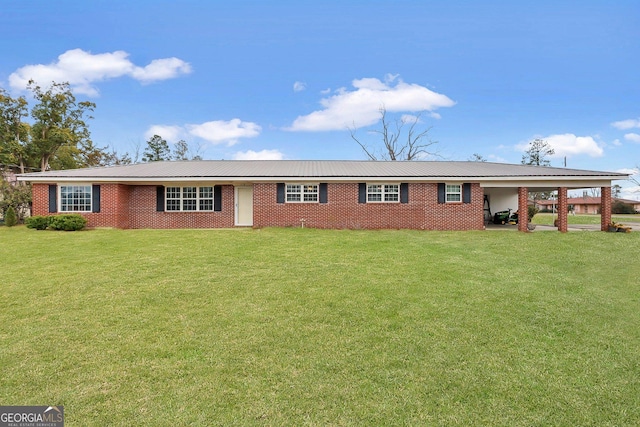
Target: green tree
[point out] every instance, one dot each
(620, 207)
(59, 121)
(616, 190)
(15, 147)
(537, 152)
(157, 150)
(10, 217)
(16, 196)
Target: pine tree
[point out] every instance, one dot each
(10, 217)
(157, 150)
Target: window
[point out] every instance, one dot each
(302, 193)
(75, 198)
(453, 193)
(383, 193)
(189, 199)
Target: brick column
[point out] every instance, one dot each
(562, 209)
(523, 208)
(605, 208)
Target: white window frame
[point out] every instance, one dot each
(309, 193)
(448, 193)
(389, 192)
(76, 185)
(170, 196)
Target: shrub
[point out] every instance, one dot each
(620, 207)
(69, 222)
(38, 222)
(10, 218)
(532, 211)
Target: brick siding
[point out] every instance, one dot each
(563, 210)
(143, 214)
(342, 210)
(605, 208)
(40, 199)
(134, 206)
(523, 209)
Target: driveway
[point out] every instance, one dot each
(635, 226)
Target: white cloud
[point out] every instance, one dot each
(161, 69)
(616, 142)
(220, 131)
(633, 137)
(258, 155)
(629, 171)
(410, 119)
(496, 159)
(627, 124)
(299, 86)
(631, 193)
(83, 69)
(169, 133)
(361, 107)
(569, 145)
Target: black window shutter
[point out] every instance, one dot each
(362, 192)
(160, 198)
(404, 192)
(280, 192)
(466, 193)
(95, 198)
(323, 192)
(441, 193)
(217, 198)
(53, 198)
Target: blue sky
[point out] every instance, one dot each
(285, 79)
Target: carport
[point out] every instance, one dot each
(503, 196)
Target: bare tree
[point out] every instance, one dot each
(414, 146)
(183, 151)
(635, 180)
(475, 157)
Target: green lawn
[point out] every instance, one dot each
(307, 327)
(547, 219)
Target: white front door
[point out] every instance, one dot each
(244, 206)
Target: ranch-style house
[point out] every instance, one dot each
(422, 195)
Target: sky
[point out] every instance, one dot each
(294, 79)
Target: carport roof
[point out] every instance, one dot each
(333, 170)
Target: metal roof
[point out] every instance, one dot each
(263, 170)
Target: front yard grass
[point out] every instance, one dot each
(311, 327)
(547, 218)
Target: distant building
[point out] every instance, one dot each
(583, 205)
